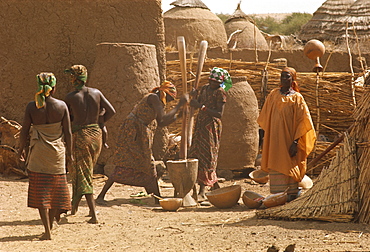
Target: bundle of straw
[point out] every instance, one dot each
(333, 197)
(361, 134)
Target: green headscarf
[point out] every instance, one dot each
(222, 76)
(45, 83)
(80, 72)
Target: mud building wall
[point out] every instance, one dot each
(51, 35)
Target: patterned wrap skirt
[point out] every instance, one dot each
(48, 191)
(87, 141)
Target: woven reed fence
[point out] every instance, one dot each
(335, 95)
(341, 192)
(361, 134)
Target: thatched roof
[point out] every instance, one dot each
(245, 33)
(328, 15)
(238, 14)
(195, 24)
(190, 4)
(358, 18)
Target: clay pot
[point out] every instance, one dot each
(252, 200)
(314, 49)
(259, 176)
(276, 199)
(225, 197)
(170, 204)
(239, 139)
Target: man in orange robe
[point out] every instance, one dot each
(289, 135)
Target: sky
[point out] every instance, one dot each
(257, 6)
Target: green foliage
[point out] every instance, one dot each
(267, 24)
(223, 17)
(292, 24)
(289, 25)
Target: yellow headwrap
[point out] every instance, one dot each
(166, 88)
(45, 83)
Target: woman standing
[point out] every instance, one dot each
(133, 154)
(289, 135)
(47, 123)
(208, 127)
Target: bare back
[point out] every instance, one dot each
(85, 106)
(54, 111)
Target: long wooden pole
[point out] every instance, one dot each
(314, 161)
(182, 57)
(351, 67)
(201, 58)
(317, 105)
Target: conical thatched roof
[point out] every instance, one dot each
(341, 193)
(249, 36)
(190, 3)
(321, 25)
(238, 14)
(195, 24)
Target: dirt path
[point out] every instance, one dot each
(136, 224)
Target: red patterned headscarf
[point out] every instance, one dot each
(292, 73)
(166, 88)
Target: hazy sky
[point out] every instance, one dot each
(257, 6)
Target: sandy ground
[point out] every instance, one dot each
(137, 224)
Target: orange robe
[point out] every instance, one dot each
(284, 119)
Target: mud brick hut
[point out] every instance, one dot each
(193, 20)
(243, 33)
(38, 35)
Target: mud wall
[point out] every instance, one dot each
(126, 72)
(40, 35)
(336, 61)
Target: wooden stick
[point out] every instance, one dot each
(255, 42)
(326, 63)
(351, 67)
(265, 78)
(317, 108)
(182, 58)
(201, 58)
(316, 159)
(358, 49)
